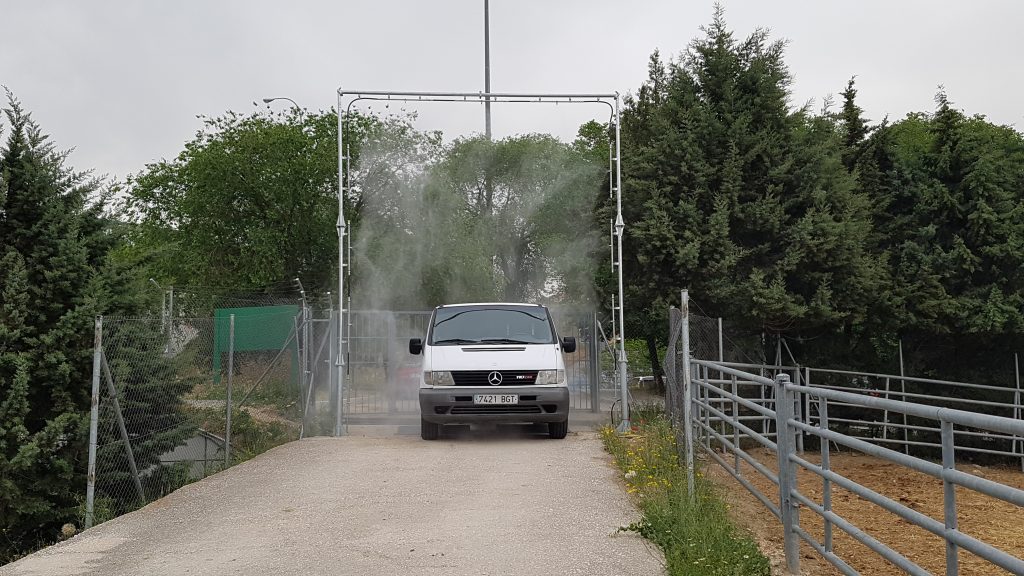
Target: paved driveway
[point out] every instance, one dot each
(481, 504)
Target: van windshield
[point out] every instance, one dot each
(491, 325)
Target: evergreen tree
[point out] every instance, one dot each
(855, 128)
(56, 275)
(47, 302)
(960, 255)
(734, 195)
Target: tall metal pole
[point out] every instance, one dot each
(620, 226)
(487, 66)
(340, 357)
(94, 417)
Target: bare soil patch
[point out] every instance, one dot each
(993, 521)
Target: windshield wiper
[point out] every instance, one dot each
(504, 341)
(456, 341)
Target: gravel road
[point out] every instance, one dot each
(480, 504)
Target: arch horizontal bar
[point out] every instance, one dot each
(480, 95)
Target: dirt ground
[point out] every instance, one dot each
(993, 521)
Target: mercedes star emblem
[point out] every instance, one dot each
(494, 378)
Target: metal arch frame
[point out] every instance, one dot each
(613, 100)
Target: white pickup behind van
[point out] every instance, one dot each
(492, 362)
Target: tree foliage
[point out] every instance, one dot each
(840, 235)
(948, 192)
(504, 220)
(731, 193)
(250, 201)
(57, 273)
(53, 243)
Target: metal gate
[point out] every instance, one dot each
(381, 376)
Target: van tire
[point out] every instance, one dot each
(558, 430)
(429, 430)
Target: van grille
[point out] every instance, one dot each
(481, 377)
(496, 410)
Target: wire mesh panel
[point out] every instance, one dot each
(157, 428)
(317, 406)
(165, 387)
(581, 366)
(382, 377)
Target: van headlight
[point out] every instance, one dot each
(438, 378)
(550, 377)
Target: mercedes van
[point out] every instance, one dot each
(485, 363)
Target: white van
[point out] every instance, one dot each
(492, 362)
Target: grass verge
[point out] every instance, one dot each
(696, 535)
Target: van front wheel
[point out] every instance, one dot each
(429, 430)
(558, 430)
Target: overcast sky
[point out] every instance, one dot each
(123, 81)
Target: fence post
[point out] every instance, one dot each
(903, 398)
(306, 380)
(704, 400)
(595, 366)
(787, 472)
(170, 320)
(344, 366)
(801, 410)
(735, 425)
(94, 418)
(687, 392)
(227, 403)
(885, 413)
(721, 347)
(332, 369)
(1016, 403)
(826, 464)
(671, 367)
(949, 495)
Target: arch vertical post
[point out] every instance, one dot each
(340, 357)
(620, 227)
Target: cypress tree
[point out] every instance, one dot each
(56, 275)
(46, 308)
(734, 195)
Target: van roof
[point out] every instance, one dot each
(489, 304)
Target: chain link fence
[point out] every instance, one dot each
(179, 398)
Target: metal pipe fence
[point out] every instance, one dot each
(729, 409)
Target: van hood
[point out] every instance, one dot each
(500, 357)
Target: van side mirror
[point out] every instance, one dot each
(568, 344)
(415, 346)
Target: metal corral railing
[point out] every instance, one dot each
(915, 435)
(719, 416)
(881, 426)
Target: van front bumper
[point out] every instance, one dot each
(456, 406)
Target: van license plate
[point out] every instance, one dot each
(496, 399)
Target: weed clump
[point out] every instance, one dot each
(696, 534)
